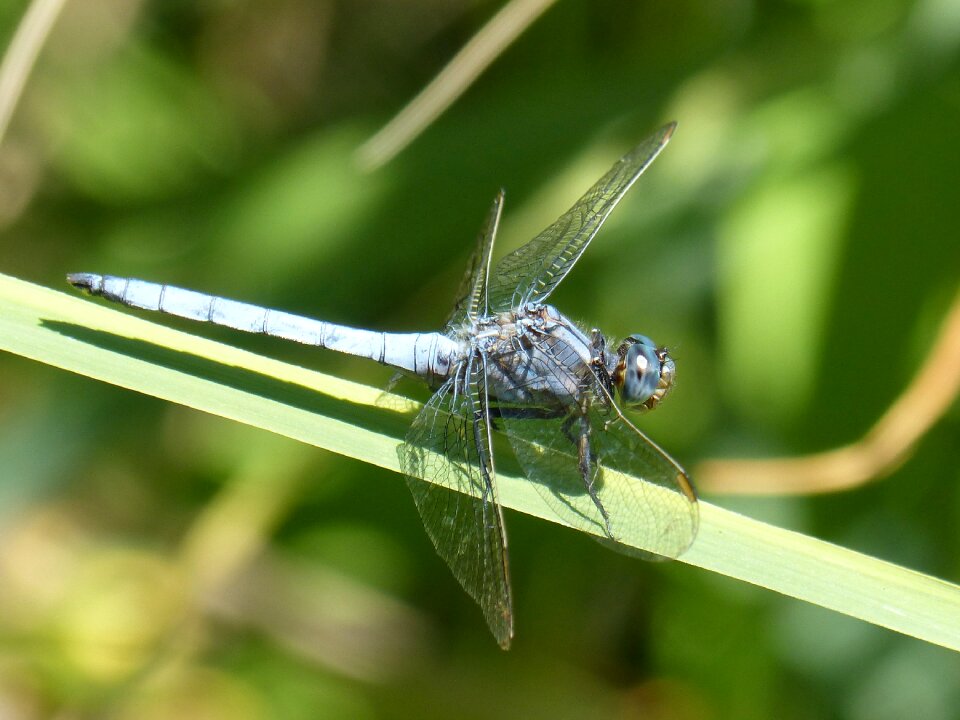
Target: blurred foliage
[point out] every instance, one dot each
(796, 244)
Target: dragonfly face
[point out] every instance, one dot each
(643, 373)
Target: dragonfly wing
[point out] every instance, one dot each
(530, 273)
(472, 295)
(658, 514)
(449, 442)
(598, 472)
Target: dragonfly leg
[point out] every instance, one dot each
(576, 429)
(588, 467)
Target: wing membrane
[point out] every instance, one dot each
(530, 273)
(450, 442)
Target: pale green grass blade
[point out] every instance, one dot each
(79, 335)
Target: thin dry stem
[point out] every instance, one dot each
(887, 444)
(482, 49)
(22, 54)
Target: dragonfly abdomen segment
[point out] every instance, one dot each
(429, 355)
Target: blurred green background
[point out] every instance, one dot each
(796, 246)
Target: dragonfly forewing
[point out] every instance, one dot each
(597, 471)
(472, 296)
(643, 499)
(530, 273)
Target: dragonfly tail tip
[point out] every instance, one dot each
(86, 281)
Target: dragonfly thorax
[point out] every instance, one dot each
(642, 372)
(534, 355)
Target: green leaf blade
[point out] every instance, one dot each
(83, 337)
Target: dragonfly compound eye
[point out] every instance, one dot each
(645, 374)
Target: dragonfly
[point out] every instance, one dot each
(509, 361)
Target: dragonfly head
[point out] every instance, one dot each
(643, 374)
